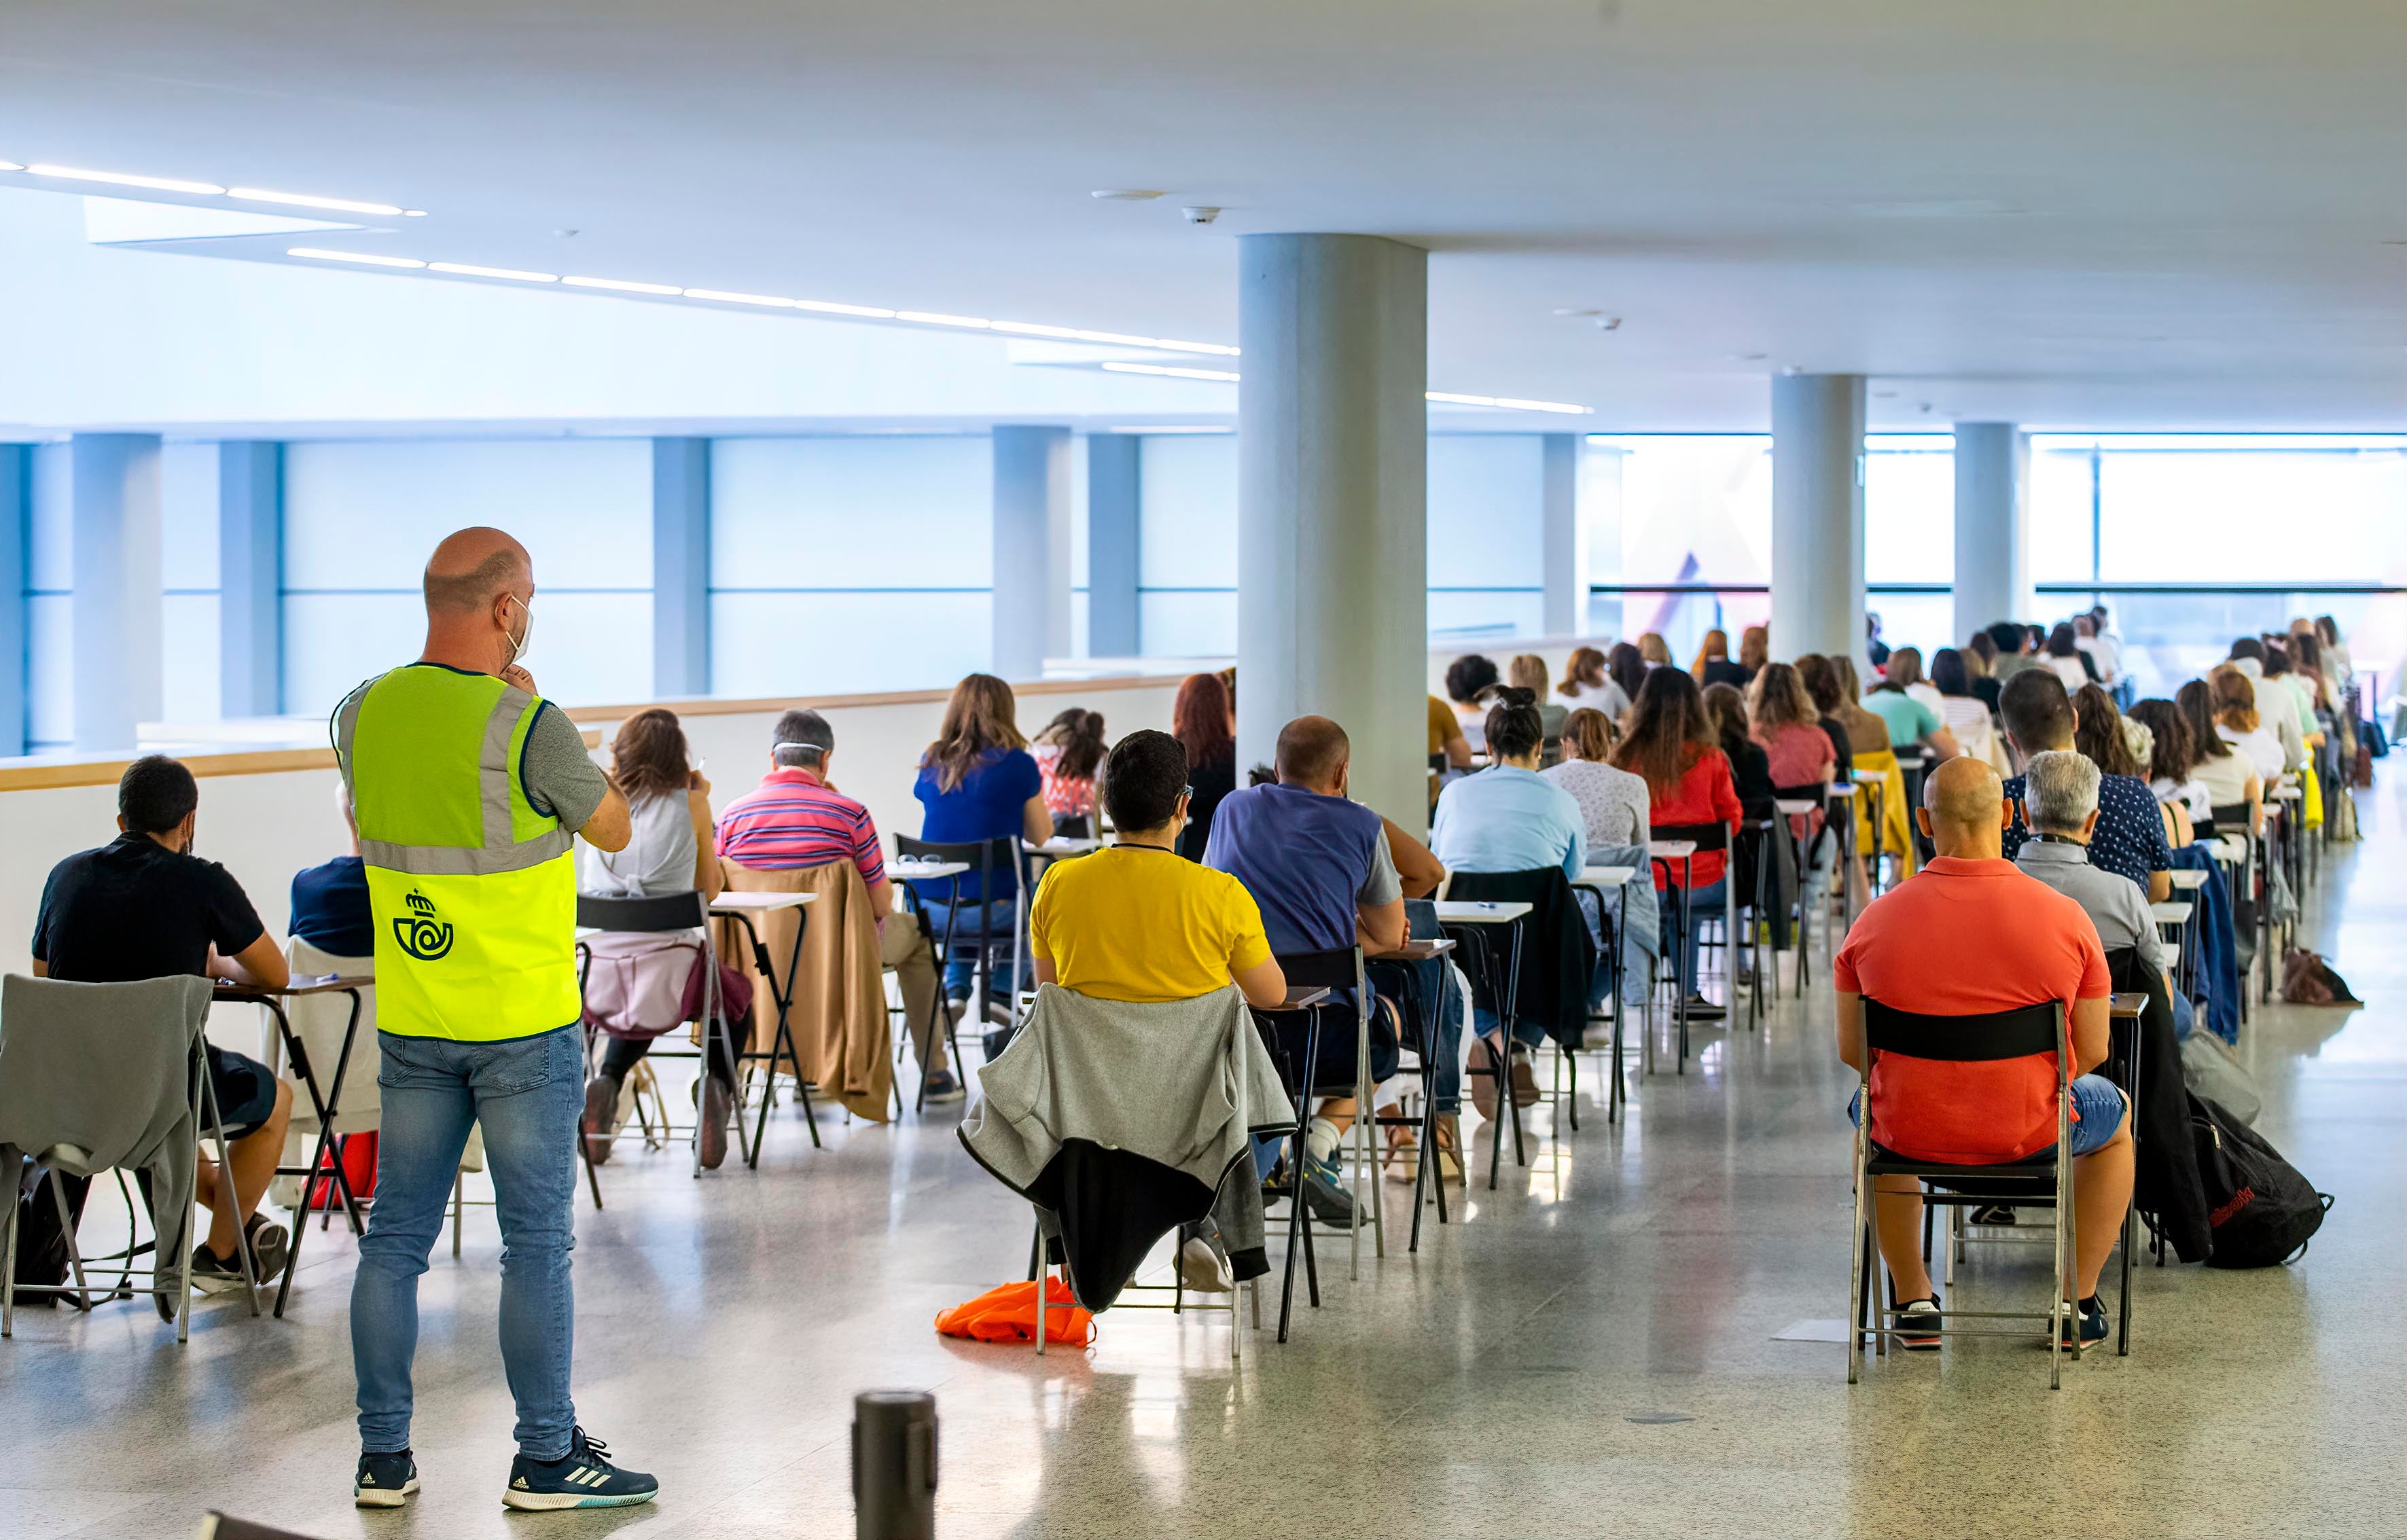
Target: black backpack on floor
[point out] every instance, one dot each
(2261, 1210)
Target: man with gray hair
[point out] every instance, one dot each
(797, 819)
(2060, 797)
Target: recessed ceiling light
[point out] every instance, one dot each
(870, 312)
(122, 179)
(1125, 195)
(624, 286)
(10, 165)
(1509, 402)
(471, 270)
(1572, 312)
(938, 318)
(371, 259)
(304, 200)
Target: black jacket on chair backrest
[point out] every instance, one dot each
(2165, 1179)
(1558, 959)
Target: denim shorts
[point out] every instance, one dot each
(2096, 1101)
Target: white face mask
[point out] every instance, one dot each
(525, 639)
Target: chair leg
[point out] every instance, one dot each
(1855, 1298)
(67, 1229)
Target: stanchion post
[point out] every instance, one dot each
(894, 1465)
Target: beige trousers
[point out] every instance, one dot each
(903, 949)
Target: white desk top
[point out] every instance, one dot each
(2176, 913)
(729, 903)
(2232, 847)
(2285, 794)
(1840, 790)
(1463, 911)
(1607, 876)
(1063, 845)
(1671, 850)
(1796, 806)
(2172, 951)
(1869, 777)
(920, 871)
(2187, 879)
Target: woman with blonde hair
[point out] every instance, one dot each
(1654, 650)
(978, 782)
(1754, 649)
(1528, 671)
(2236, 722)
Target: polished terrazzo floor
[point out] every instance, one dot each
(1592, 1352)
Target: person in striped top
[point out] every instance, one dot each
(797, 817)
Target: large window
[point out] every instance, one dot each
(361, 517)
(190, 639)
(850, 564)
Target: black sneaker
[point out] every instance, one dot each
(270, 1247)
(1331, 1204)
(1917, 1325)
(584, 1479)
(1992, 1214)
(384, 1480)
(2085, 1324)
(1703, 1009)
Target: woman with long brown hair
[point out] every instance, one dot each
(1714, 666)
(1205, 722)
(1626, 666)
(1670, 745)
(1586, 683)
(1068, 753)
(977, 782)
(2227, 771)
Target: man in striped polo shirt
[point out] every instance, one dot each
(797, 817)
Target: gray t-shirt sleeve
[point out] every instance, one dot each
(560, 777)
(2147, 947)
(1383, 886)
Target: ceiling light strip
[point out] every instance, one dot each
(916, 317)
(210, 190)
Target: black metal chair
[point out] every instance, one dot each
(2041, 1181)
(1534, 973)
(1338, 969)
(988, 858)
(1708, 838)
(672, 914)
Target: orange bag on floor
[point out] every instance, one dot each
(1008, 1313)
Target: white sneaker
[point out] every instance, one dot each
(1203, 1269)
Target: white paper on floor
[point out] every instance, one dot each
(1812, 1331)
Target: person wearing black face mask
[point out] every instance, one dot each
(144, 906)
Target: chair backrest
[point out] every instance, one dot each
(1812, 790)
(1705, 836)
(1338, 968)
(684, 911)
(2021, 1033)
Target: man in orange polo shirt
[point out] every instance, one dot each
(1970, 934)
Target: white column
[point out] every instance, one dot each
(1031, 550)
(1332, 504)
(1564, 560)
(114, 498)
(1992, 570)
(16, 640)
(1817, 515)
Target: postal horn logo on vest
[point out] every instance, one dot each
(419, 934)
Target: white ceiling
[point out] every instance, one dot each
(2143, 214)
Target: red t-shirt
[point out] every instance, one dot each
(1960, 938)
(1706, 794)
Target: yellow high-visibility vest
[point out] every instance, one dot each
(473, 889)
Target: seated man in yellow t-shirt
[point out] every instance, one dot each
(1137, 922)
(1140, 922)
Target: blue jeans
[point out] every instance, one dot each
(525, 1093)
(1703, 904)
(960, 957)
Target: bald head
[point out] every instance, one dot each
(472, 568)
(1963, 809)
(1312, 752)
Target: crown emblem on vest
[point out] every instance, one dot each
(419, 932)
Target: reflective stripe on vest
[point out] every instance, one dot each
(474, 892)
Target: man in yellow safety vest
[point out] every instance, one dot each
(469, 789)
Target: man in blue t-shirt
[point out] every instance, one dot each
(1317, 865)
(330, 902)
